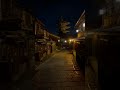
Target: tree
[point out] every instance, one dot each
(63, 27)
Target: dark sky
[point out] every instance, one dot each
(50, 10)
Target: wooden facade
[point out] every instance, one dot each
(40, 41)
(23, 40)
(16, 39)
(111, 16)
(45, 42)
(80, 25)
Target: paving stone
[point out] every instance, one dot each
(58, 73)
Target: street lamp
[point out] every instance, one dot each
(58, 40)
(65, 41)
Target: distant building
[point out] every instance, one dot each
(54, 39)
(45, 42)
(41, 38)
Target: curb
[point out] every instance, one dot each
(74, 62)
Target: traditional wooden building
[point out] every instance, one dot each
(80, 25)
(41, 37)
(45, 42)
(16, 39)
(54, 39)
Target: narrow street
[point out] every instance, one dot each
(58, 73)
(59, 44)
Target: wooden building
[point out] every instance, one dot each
(41, 37)
(80, 25)
(16, 39)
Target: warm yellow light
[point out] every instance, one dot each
(71, 40)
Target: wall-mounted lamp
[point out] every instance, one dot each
(58, 40)
(77, 31)
(83, 24)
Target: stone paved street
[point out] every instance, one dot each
(58, 73)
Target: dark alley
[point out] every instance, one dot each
(59, 44)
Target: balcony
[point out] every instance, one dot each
(39, 36)
(10, 25)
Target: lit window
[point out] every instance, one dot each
(83, 24)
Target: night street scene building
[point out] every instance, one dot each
(59, 44)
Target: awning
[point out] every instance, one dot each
(80, 39)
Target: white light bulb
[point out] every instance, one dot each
(77, 30)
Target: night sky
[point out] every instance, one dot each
(49, 11)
